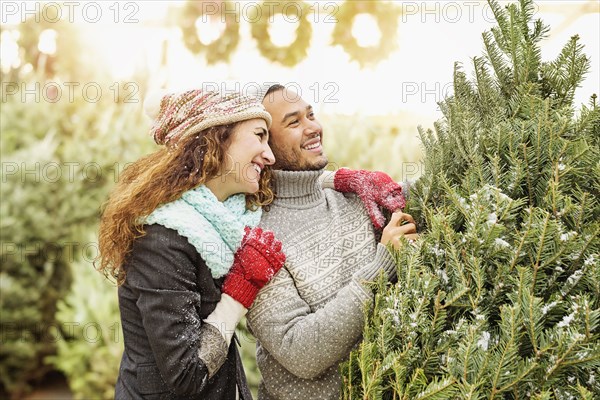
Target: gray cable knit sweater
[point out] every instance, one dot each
(311, 315)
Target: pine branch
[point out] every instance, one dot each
(496, 59)
(521, 376)
(530, 307)
(584, 393)
(566, 72)
(560, 362)
(469, 391)
(508, 348)
(527, 232)
(539, 253)
(438, 390)
(416, 384)
(370, 377)
(513, 42)
(502, 32)
(528, 173)
(467, 366)
(593, 237)
(454, 297)
(437, 323)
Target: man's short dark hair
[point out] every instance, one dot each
(272, 89)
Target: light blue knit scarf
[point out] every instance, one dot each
(214, 228)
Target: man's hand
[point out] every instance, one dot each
(401, 225)
(375, 189)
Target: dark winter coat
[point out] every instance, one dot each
(167, 293)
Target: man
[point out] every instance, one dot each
(311, 315)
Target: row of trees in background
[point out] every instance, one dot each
(60, 157)
(59, 160)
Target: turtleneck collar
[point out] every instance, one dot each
(298, 188)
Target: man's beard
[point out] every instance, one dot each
(292, 160)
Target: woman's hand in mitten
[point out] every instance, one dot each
(257, 260)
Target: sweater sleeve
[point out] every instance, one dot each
(327, 180)
(307, 342)
(162, 270)
(226, 316)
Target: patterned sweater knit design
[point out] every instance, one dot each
(311, 315)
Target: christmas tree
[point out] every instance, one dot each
(500, 297)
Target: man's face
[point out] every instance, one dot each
(295, 133)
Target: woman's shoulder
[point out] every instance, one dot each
(157, 238)
(162, 253)
(157, 230)
(162, 234)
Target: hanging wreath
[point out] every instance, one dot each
(386, 15)
(220, 49)
(295, 52)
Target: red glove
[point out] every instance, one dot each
(373, 188)
(257, 260)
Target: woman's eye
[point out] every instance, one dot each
(294, 122)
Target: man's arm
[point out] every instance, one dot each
(307, 343)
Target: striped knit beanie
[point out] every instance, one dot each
(177, 115)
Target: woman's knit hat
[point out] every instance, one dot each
(177, 115)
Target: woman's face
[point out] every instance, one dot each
(248, 153)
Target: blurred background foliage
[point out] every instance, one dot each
(61, 156)
(59, 160)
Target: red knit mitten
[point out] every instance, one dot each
(374, 189)
(257, 260)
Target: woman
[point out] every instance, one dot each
(178, 235)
